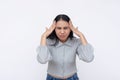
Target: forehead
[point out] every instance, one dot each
(62, 23)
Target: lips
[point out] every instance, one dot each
(62, 36)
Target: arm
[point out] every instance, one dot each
(85, 52)
(84, 49)
(78, 33)
(43, 53)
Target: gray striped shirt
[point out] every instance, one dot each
(61, 57)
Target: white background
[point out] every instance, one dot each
(23, 21)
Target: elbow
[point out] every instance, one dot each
(90, 59)
(42, 61)
(90, 56)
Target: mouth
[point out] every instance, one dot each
(62, 36)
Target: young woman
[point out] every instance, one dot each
(59, 47)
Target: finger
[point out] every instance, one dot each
(46, 28)
(70, 22)
(71, 25)
(76, 27)
(53, 25)
(54, 22)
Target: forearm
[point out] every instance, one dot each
(43, 55)
(82, 38)
(43, 40)
(85, 52)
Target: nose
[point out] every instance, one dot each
(62, 31)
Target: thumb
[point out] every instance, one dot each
(76, 27)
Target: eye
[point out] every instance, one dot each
(58, 27)
(65, 27)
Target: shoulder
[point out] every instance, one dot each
(50, 41)
(76, 40)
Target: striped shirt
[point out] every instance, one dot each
(61, 57)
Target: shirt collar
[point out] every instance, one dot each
(68, 43)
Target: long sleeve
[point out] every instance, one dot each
(43, 54)
(85, 52)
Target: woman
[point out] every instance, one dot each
(59, 47)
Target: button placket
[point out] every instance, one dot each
(63, 59)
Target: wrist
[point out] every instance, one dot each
(79, 34)
(44, 36)
(43, 41)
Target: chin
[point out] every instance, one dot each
(63, 40)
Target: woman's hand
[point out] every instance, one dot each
(50, 30)
(47, 33)
(75, 30)
(78, 33)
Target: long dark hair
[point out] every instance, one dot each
(59, 17)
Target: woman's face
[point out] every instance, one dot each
(62, 30)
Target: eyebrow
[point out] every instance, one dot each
(60, 27)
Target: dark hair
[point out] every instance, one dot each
(58, 18)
